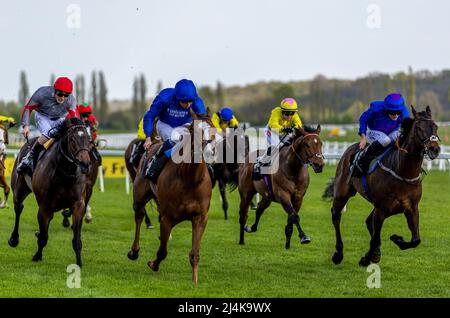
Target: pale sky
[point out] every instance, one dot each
(234, 41)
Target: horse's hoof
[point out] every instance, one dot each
(150, 226)
(133, 255)
(337, 258)
(396, 238)
(37, 258)
(88, 220)
(287, 245)
(376, 257)
(66, 222)
(36, 234)
(364, 262)
(305, 239)
(241, 242)
(248, 229)
(153, 266)
(13, 242)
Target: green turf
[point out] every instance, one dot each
(261, 268)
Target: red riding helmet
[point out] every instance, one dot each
(84, 108)
(63, 84)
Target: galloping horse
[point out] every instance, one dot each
(182, 192)
(3, 183)
(59, 181)
(224, 171)
(287, 185)
(395, 187)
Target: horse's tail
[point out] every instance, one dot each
(329, 190)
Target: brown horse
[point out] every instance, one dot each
(182, 192)
(287, 185)
(236, 144)
(59, 181)
(132, 171)
(394, 187)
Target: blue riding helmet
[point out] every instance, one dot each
(226, 113)
(394, 102)
(185, 90)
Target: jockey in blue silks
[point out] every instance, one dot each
(172, 107)
(380, 125)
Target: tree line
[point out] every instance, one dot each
(321, 100)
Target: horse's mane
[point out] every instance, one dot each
(407, 124)
(309, 129)
(60, 130)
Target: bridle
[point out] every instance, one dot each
(68, 155)
(308, 159)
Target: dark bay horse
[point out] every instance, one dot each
(132, 171)
(233, 146)
(286, 186)
(182, 192)
(394, 187)
(59, 181)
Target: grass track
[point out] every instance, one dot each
(261, 268)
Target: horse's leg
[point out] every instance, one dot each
(77, 221)
(142, 194)
(297, 203)
(148, 222)
(198, 227)
(291, 220)
(243, 214)
(342, 195)
(377, 253)
(139, 212)
(20, 193)
(165, 227)
(42, 237)
(6, 191)
(375, 242)
(223, 195)
(412, 217)
(262, 206)
(66, 213)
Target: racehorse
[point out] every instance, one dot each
(224, 170)
(395, 187)
(3, 183)
(132, 171)
(287, 185)
(59, 181)
(182, 192)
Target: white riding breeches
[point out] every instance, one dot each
(385, 140)
(45, 124)
(168, 132)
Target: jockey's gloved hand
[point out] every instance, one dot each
(287, 130)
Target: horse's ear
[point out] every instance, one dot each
(318, 129)
(428, 110)
(413, 110)
(208, 110)
(193, 114)
(299, 132)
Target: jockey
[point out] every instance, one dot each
(224, 119)
(138, 148)
(52, 104)
(383, 118)
(5, 124)
(85, 112)
(283, 119)
(172, 107)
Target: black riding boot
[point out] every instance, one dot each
(261, 162)
(158, 162)
(373, 150)
(28, 162)
(137, 152)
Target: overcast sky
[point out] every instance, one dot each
(234, 41)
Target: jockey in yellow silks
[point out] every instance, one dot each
(283, 120)
(224, 119)
(5, 124)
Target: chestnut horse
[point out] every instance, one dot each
(182, 192)
(287, 185)
(394, 187)
(59, 181)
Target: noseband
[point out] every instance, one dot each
(69, 156)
